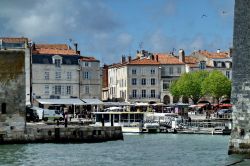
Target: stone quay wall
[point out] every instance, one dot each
(60, 134)
(240, 97)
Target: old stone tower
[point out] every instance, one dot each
(240, 136)
(14, 54)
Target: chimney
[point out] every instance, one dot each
(181, 55)
(129, 58)
(218, 50)
(123, 59)
(230, 52)
(75, 44)
(157, 58)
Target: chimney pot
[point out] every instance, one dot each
(181, 55)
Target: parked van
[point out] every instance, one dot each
(46, 114)
(52, 115)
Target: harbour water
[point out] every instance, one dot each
(134, 150)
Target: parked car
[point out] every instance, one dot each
(223, 112)
(31, 114)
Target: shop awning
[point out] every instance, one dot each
(116, 104)
(61, 101)
(92, 102)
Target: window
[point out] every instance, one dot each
(228, 74)
(3, 108)
(165, 85)
(58, 75)
(87, 89)
(133, 81)
(134, 93)
(46, 89)
(152, 71)
(69, 75)
(152, 81)
(143, 93)
(219, 64)
(46, 75)
(202, 65)
(179, 70)
(133, 71)
(58, 89)
(68, 90)
(171, 70)
(152, 94)
(58, 62)
(86, 75)
(143, 81)
(86, 64)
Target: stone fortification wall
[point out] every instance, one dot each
(12, 92)
(55, 134)
(240, 137)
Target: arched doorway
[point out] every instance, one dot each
(166, 99)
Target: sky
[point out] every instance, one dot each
(108, 29)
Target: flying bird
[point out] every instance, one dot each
(203, 16)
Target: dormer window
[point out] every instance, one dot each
(57, 60)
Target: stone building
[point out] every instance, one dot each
(14, 86)
(145, 78)
(90, 78)
(60, 72)
(205, 60)
(171, 69)
(55, 71)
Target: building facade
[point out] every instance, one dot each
(59, 72)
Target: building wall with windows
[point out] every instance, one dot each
(90, 78)
(143, 83)
(55, 76)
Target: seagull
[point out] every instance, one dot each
(204, 15)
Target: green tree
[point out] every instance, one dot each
(174, 89)
(216, 85)
(189, 85)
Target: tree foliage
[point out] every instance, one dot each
(216, 85)
(189, 85)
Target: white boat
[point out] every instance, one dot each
(131, 122)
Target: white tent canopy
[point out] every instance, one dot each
(92, 102)
(61, 101)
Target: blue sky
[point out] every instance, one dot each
(108, 29)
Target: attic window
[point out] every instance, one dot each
(58, 62)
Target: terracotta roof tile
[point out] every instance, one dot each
(89, 59)
(190, 60)
(14, 39)
(167, 59)
(214, 55)
(144, 61)
(54, 51)
(61, 49)
(52, 46)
